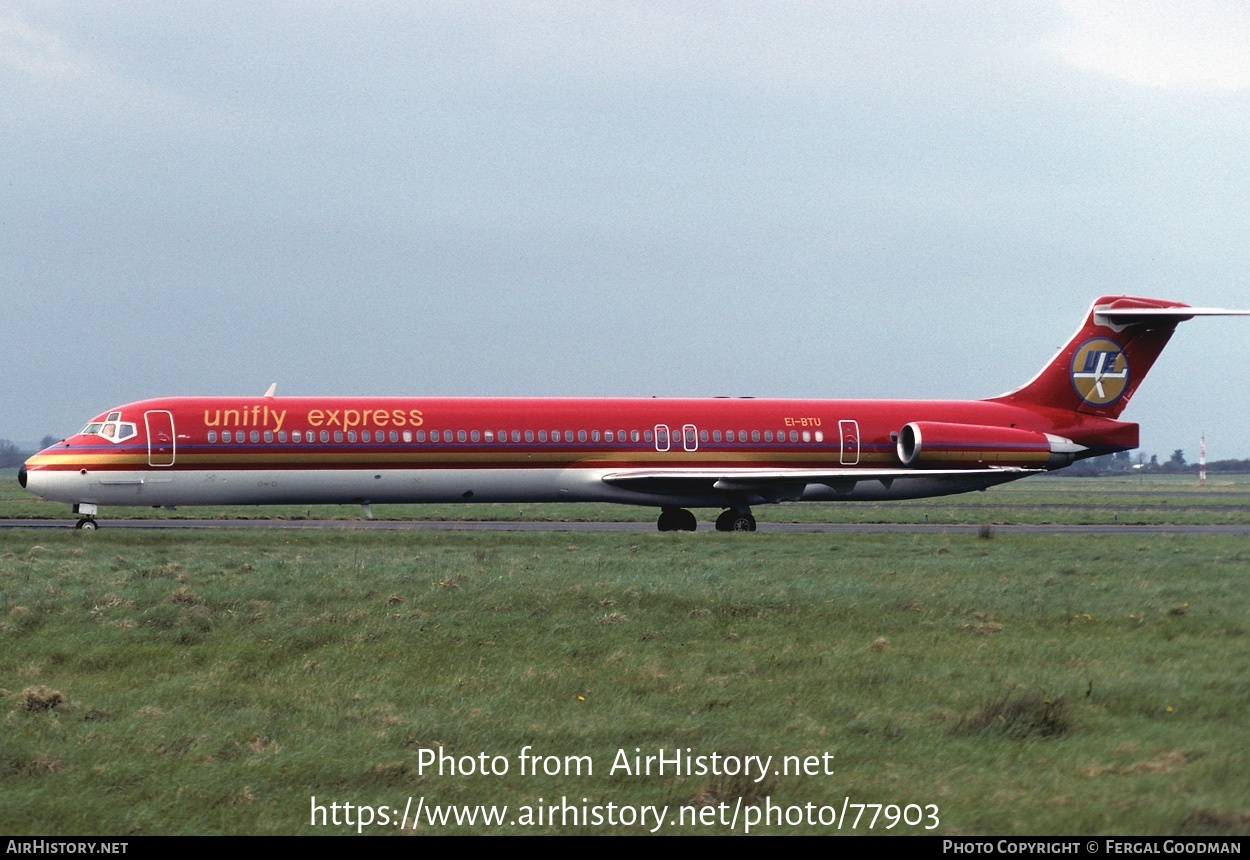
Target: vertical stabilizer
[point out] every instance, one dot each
(1098, 370)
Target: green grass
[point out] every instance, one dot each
(186, 682)
(1152, 499)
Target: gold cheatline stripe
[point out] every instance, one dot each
(606, 460)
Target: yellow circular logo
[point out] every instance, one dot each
(1099, 371)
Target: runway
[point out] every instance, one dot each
(514, 526)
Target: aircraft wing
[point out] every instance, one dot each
(785, 484)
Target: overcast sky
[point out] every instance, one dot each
(778, 199)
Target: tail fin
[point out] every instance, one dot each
(1098, 370)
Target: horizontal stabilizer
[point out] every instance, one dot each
(1164, 316)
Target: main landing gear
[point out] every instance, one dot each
(735, 521)
(677, 520)
(681, 520)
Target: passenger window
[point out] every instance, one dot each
(702, 435)
(516, 435)
(433, 435)
(581, 435)
(529, 435)
(620, 434)
(394, 436)
(607, 435)
(755, 435)
(212, 435)
(542, 435)
(716, 436)
(296, 436)
(281, 435)
(407, 435)
(351, 435)
(225, 435)
(490, 435)
(338, 435)
(555, 435)
(325, 435)
(633, 436)
(820, 436)
(594, 435)
(460, 437)
(794, 435)
(268, 435)
(646, 434)
(768, 436)
(807, 436)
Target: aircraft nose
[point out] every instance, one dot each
(21, 476)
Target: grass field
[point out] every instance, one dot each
(1153, 499)
(183, 682)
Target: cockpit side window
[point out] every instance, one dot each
(112, 428)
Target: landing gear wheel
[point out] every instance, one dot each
(86, 524)
(732, 521)
(677, 520)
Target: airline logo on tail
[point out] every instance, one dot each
(1099, 371)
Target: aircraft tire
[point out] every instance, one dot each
(86, 524)
(732, 521)
(677, 520)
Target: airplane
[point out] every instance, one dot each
(674, 454)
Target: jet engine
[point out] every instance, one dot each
(933, 443)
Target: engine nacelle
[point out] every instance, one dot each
(933, 443)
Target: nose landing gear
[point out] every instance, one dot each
(87, 522)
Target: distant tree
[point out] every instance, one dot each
(1229, 466)
(1175, 463)
(1079, 469)
(9, 455)
(1093, 466)
(48, 442)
